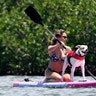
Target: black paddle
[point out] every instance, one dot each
(34, 15)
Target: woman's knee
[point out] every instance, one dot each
(57, 77)
(66, 77)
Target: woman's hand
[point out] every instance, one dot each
(62, 45)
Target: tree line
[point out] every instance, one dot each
(23, 43)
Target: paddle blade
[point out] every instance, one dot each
(33, 14)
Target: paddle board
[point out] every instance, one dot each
(55, 84)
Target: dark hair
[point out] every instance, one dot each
(57, 34)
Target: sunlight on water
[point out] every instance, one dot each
(7, 89)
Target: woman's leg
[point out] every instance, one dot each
(52, 76)
(66, 77)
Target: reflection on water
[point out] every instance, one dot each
(7, 89)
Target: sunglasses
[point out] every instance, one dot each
(65, 37)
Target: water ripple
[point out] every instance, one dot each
(7, 89)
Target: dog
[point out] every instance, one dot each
(76, 59)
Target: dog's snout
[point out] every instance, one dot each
(85, 51)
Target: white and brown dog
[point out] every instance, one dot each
(76, 59)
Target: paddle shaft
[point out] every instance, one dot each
(90, 73)
(34, 15)
(53, 35)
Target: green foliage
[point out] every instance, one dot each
(24, 43)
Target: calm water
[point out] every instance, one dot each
(7, 89)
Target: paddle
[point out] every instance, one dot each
(90, 73)
(34, 15)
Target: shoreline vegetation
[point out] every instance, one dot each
(23, 43)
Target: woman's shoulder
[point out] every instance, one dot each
(68, 48)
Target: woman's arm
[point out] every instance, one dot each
(64, 52)
(53, 48)
(68, 48)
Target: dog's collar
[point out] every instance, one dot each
(73, 54)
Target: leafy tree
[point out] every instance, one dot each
(24, 43)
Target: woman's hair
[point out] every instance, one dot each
(57, 35)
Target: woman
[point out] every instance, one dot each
(57, 54)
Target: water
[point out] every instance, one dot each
(7, 89)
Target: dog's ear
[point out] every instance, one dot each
(77, 46)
